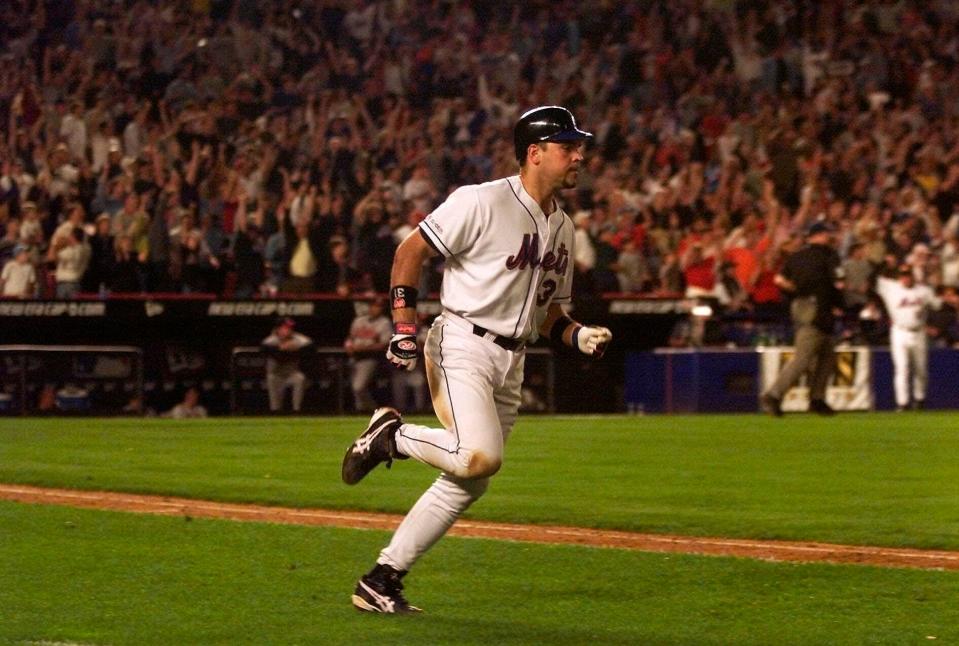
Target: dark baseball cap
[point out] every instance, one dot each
(820, 226)
(545, 123)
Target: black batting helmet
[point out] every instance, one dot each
(545, 123)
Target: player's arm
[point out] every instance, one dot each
(784, 283)
(560, 329)
(884, 286)
(407, 268)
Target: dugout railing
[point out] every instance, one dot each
(329, 392)
(63, 379)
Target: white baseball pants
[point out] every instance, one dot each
(476, 390)
(910, 357)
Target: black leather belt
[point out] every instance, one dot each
(504, 342)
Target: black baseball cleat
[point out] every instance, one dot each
(374, 446)
(820, 407)
(918, 404)
(381, 590)
(772, 405)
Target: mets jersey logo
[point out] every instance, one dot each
(528, 256)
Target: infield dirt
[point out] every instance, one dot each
(744, 548)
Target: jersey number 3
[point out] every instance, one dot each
(548, 287)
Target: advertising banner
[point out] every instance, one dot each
(849, 389)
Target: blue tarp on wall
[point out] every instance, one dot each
(727, 380)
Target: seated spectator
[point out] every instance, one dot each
(284, 349)
(189, 408)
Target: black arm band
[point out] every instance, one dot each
(559, 326)
(403, 296)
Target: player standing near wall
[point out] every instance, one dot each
(507, 246)
(907, 304)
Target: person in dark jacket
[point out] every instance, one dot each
(128, 275)
(157, 268)
(811, 277)
(102, 257)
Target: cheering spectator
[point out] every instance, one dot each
(99, 272)
(19, 277)
(72, 255)
(763, 123)
(127, 274)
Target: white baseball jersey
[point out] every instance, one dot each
(505, 263)
(907, 306)
(505, 260)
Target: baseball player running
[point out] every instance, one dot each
(506, 246)
(908, 304)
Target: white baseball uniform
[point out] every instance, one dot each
(908, 308)
(505, 262)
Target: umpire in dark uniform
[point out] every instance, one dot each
(810, 275)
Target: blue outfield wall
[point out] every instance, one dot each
(727, 380)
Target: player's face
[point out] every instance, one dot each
(563, 161)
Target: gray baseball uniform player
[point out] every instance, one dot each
(908, 304)
(284, 349)
(370, 332)
(506, 245)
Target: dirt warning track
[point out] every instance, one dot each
(745, 548)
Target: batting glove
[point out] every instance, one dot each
(592, 340)
(403, 350)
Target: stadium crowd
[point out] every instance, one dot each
(251, 147)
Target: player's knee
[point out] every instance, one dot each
(482, 465)
(457, 494)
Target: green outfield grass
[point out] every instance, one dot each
(77, 576)
(879, 479)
